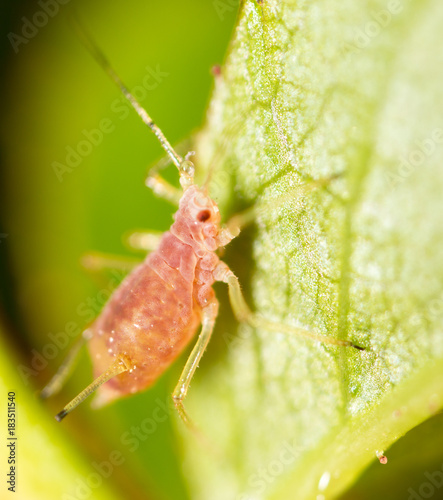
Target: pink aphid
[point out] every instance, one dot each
(156, 311)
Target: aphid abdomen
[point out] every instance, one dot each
(150, 318)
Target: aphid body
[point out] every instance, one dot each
(157, 309)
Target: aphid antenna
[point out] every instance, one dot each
(185, 167)
(120, 365)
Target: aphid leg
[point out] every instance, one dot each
(179, 394)
(98, 261)
(162, 188)
(293, 195)
(147, 241)
(65, 369)
(159, 186)
(137, 240)
(243, 313)
(120, 365)
(238, 221)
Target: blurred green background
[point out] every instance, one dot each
(53, 91)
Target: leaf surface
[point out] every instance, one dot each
(328, 117)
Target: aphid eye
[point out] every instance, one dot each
(204, 215)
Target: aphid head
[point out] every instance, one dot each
(201, 216)
(202, 209)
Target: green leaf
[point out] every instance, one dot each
(345, 99)
(46, 464)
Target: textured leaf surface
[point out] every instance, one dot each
(348, 93)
